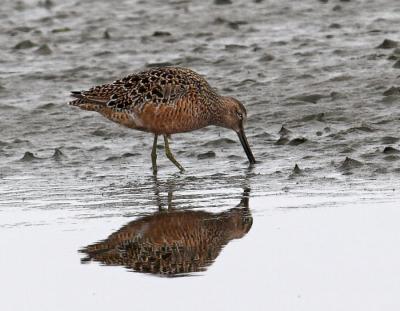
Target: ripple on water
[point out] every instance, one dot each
(29, 157)
(390, 150)
(58, 155)
(220, 142)
(349, 164)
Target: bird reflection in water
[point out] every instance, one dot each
(172, 242)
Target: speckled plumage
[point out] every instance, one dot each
(165, 101)
(171, 243)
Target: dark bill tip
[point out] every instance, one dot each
(246, 147)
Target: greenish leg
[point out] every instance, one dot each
(170, 156)
(154, 155)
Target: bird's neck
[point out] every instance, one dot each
(218, 112)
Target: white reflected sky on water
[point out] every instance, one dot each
(323, 257)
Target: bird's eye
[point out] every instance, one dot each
(239, 115)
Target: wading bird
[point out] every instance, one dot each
(165, 101)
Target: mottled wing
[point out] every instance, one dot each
(159, 86)
(98, 96)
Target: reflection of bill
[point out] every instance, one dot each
(172, 243)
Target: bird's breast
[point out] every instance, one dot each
(129, 119)
(171, 119)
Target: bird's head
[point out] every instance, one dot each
(239, 222)
(234, 116)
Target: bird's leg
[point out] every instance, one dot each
(154, 155)
(170, 207)
(170, 156)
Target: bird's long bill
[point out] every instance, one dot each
(246, 147)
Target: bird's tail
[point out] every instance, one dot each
(84, 102)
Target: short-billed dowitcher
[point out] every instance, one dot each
(165, 101)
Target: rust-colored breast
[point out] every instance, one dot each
(185, 115)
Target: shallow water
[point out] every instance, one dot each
(319, 94)
(304, 251)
